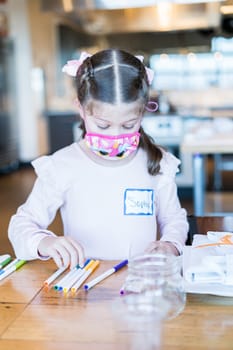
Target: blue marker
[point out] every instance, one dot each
(60, 284)
(105, 275)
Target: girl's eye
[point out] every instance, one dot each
(103, 127)
(127, 127)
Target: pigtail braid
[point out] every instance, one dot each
(143, 75)
(141, 81)
(89, 68)
(154, 153)
(85, 78)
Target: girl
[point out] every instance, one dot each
(114, 188)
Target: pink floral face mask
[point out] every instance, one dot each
(113, 146)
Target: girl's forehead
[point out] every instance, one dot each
(106, 110)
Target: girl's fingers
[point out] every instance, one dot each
(69, 253)
(80, 251)
(64, 250)
(151, 247)
(65, 255)
(162, 247)
(57, 258)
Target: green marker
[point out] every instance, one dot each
(4, 260)
(17, 264)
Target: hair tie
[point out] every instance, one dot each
(153, 108)
(71, 67)
(149, 72)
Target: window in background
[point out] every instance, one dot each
(195, 70)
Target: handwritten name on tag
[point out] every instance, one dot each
(138, 201)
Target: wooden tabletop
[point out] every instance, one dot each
(32, 317)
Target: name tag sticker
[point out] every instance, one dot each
(138, 202)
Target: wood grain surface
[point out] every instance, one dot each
(33, 317)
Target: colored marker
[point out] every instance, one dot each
(12, 268)
(74, 278)
(122, 290)
(9, 265)
(55, 275)
(87, 273)
(4, 260)
(105, 275)
(60, 284)
(83, 272)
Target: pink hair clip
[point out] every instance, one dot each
(150, 73)
(71, 67)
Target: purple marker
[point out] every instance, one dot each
(105, 275)
(122, 290)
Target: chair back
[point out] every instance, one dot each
(202, 224)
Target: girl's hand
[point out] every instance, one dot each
(65, 251)
(162, 247)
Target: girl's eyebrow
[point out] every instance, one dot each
(124, 122)
(131, 120)
(108, 121)
(102, 120)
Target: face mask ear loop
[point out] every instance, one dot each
(151, 106)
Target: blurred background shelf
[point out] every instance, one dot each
(9, 154)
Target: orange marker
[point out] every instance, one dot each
(225, 240)
(54, 276)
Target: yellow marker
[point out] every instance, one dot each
(89, 269)
(89, 265)
(76, 276)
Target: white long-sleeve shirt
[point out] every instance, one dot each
(108, 210)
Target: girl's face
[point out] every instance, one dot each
(113, 120)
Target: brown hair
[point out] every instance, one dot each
(115, 76)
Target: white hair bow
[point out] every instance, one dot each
(149, 72)
(71, 67)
